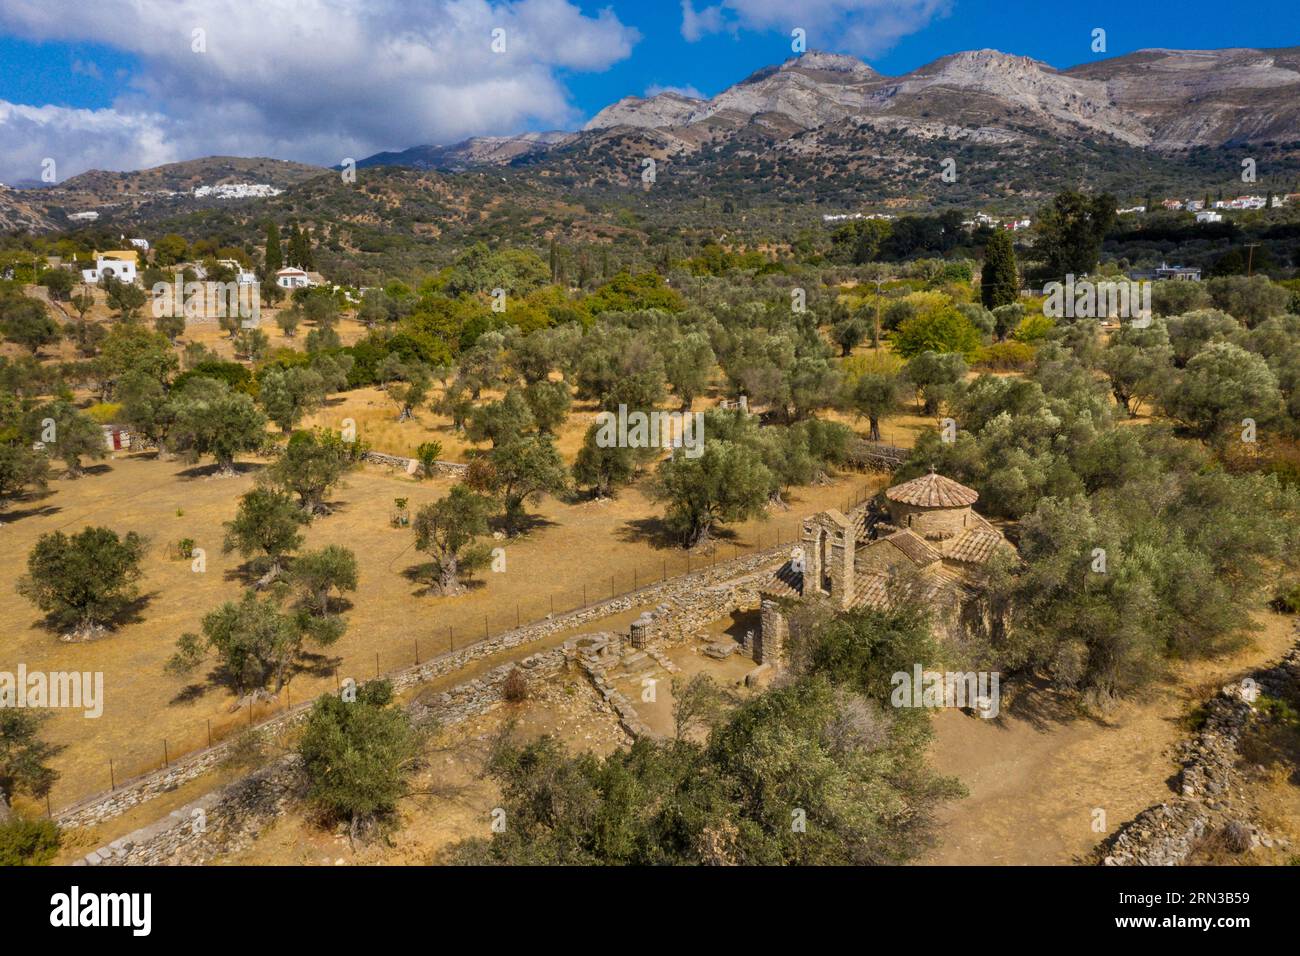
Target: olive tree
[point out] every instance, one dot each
(446, 530)
(86, 581)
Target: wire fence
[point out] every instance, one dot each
(150, 757)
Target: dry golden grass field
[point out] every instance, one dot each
(1034, 777)
(578, 552)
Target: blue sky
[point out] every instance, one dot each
(122, 84)
(1058, 32)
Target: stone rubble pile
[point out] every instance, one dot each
(1210, 785)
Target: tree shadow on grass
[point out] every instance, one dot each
(424, 574)
(192, 692)
(246, 574)
(661, 536)
(198, 472)
(316, 664)
(39, 511)
(131, 613)
(336, 507)
(654, 531)
(524, 526)
(87, 471)
(220, 677)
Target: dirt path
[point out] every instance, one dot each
(1036, 779)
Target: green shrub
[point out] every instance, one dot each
(427, 455)
(28, 842)
(1005, 356)
(105, 413)
(1033, 328)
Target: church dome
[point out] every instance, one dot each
(932, 491)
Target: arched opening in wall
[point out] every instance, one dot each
(824, 560)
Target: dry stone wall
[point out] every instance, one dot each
(684, 606)
(453, 468)
(228, 818)
(1209, 782)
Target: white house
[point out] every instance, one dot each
(1181, 273)
(242, 276)
(1207, 215)
(292, 278)
(123, 270)
(1247, 202)
(142, 244)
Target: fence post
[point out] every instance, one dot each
(165, 760)
(112, 777)
(417, 652)
(209, 731)
(451, 636)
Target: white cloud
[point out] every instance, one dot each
(697, 23)
(87, 68)
(78, 140)
(864, 27)
(654, 89)
(314, 80)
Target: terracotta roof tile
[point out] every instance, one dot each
(914, 547)
(933, 491)
(785, 582)
(973, 546)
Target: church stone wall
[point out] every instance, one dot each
(942, 522)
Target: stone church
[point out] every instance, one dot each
(921, 537)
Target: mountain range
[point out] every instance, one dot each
(830, 129)
(1162, 100)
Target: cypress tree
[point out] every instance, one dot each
(999, 282)
(274, 257)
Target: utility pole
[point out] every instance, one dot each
(1250, 258)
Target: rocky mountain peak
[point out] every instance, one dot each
(819, 61)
